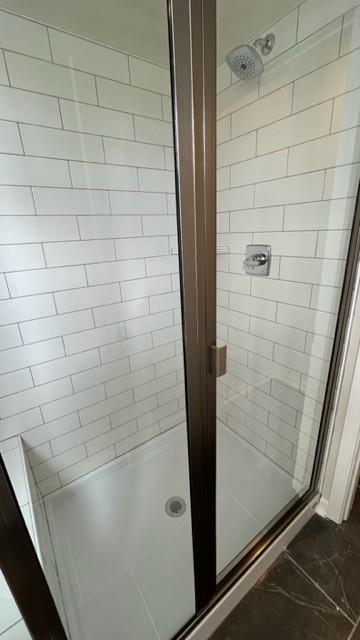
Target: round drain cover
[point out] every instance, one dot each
(175, 506)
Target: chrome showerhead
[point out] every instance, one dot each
(245, 61)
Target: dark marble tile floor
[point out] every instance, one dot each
(312, 592)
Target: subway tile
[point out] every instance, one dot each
(137, 326)
(129, 381)
(62, 367)
(314, 321)
(57, 463)
(49, 485)
(25, 170)
(109, 227)
(11, 383)
(9, 337)
(351, 30)
(312, 123)
(141, 247)
(97, 375)
(248, 407)
(149, 76)
(346, 111)
(73, 402)
(325, 298)
(233, 319)
(254, 306)
(21, 256)
(83, 467)
(28, 283)
(281, 291)
(251, 343)
(223, 178)
(133, 154)
(269, 167)
(26, 308)
(164, 397)
(331, 151)
(136, 439)
(303, 188)
(156, 180)
(163, 265)
(342, 182)
(93, 119)
(243, 374)
(314, 14)
(20, 423)
(145, 287)
(308, 55)
(332, 80)
(296, 400)
(313, 388)
(79, 436)
(24, 106)
(25, 356)
(127, 98)
(31, 398)
(223, 130)
(39, 454)
(105, 407)
(262, 112)
(272, 405)
(313, 271)
(70, 202)
(129, 202)
(10, 138)
(285, 28)
(76, 53)
(4, 290)
(113, 436)
(76, 299)
(51, 79)
(16, 201)
(267, 219)
(101, 176)
(107, 272)
(235, 199)
(22, 229)
(167, 108)
(71, 253)
(278, 333)
(125, 348)
(157, 413)
(24, 36)
(154, 131)
(236, 150)
(236, 96)
(332, 214)
(292, 243)
(170, 365)
(159, 225)
(164, 302)
(333, 244)
(151, 356)
(56, 325)
(121, 311)
(154, 386)
(319, 346)
(87, 339)
(53, 143)
(274, 371)
(233, 282)
(223, 77)
(301, 362)
(3, 72)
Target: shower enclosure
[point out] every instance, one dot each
(178, 251)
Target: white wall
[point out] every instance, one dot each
(91, 363)
(288, 148)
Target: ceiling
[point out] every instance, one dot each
(138, 27)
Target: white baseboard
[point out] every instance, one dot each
(322, 507)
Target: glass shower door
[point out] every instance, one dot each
(286, 148)
(93, 425)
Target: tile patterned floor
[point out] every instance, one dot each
(125, 566)
(311, 593)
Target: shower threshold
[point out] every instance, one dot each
(125, 566)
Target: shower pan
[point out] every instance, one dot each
(179, 240)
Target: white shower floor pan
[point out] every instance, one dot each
(125, 566)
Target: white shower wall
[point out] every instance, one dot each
(91, 363)
(288, 153)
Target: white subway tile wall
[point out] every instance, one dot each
(90, 332)
(289, 158)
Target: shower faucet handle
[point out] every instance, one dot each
(257, 259)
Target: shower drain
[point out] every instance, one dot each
(175, 506)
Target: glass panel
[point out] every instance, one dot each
(92, 363)
(287, 182)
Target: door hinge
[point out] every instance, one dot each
(217, 360)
